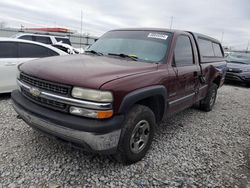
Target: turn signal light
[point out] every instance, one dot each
(104, 114)
(91, 113)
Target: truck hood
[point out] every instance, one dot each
(89, 71)
(237, 65)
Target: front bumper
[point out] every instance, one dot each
(101, 136)
(239, 77)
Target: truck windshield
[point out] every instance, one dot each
(149, 46)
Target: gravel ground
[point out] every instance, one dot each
(191, 149)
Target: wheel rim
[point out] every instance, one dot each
(140, 136)
(212, 99)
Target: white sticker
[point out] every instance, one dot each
(157, 36)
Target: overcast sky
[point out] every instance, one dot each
(211, 17)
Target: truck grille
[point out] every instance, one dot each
(54, 88)
(45, 85)
(46, 102)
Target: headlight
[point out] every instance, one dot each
(18, 71)
(245, 70)
(18, 74)
(18, 78)
(92, 95)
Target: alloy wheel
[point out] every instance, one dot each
(140, 136)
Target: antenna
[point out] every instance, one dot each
(81, 32)
(171, 22)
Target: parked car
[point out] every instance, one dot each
(111, 98)
(46, 39)
(14, 52)
(67, 48)
(238, 64)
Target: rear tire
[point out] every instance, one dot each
(137, 135)
(208, 102)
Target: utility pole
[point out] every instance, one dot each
(222, 36)
(81, 32)
(248, 45)
(22, 27)
(171, 22)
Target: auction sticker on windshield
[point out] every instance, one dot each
(157, 36)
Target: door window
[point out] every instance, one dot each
(26, 37)
(206, 48)
(217, 50)
(45, 40)
(183, 53)
(8, 50)
(34, 51)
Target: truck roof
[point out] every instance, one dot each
(196, 35)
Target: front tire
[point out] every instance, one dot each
(208, 102)
(137, 135)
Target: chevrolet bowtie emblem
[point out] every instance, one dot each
(35, 92)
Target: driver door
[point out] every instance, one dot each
(187, 71)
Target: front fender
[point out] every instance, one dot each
(130, 99)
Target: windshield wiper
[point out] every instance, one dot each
(94, 52)
(133, 57)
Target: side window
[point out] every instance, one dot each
(61, 48)
(8, 50)
(217, 50)
(26, 37)
(183, 53)
(27, 50)
(45, 40)
(64, 40)
(206, 48)
(52, 53)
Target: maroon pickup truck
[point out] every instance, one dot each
(110, 99)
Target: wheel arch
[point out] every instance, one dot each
(153, 97)
(217, 80)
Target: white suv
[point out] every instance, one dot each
(46, 39)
